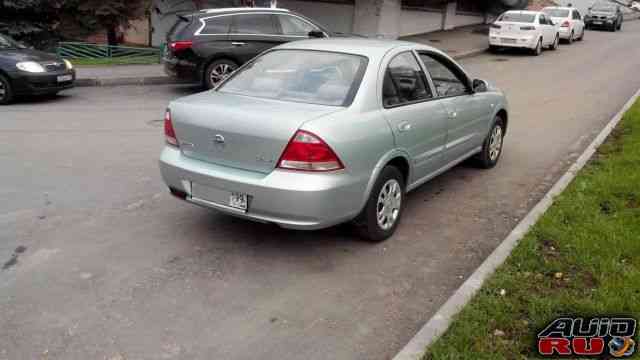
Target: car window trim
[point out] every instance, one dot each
(424, 76)
(437, 56)
(203, 24)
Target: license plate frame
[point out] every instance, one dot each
(597, 23)
(64, 78)
(239, 201)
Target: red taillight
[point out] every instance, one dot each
(180, 45)
(565, 24)
(495, 26)
(307, 152)
(169, 133)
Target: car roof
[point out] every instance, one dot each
(372, 48)
(205, 12)
(558, 7)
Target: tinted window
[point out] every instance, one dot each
(314, 77)
(217, 25)
(557, 13)
(576, 15)
(253, 24)
(517, 17)
(294, 26)
(7, 42)
(445, 80)
(404, 81)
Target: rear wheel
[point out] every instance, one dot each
(381, 214)
(556, 43)
(6, 92)
(571, 37)
(494, 48)
(581, 35)
(492, 146)
(538, 49)
(620, 26)
(218, 71)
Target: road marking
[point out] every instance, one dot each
(440, 321)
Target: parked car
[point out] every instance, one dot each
(570, 21)
(25, 71)
(314, 133)
(209, 45)
(604, 15)
(532, 30)
(635, 5)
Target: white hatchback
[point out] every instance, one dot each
(570, 21)
(524, 29)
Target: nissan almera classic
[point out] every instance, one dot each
(315, 133)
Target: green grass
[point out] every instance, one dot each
(143, 60)
(581, 258)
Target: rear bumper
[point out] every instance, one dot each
(528, 42)
(565, 33)
(40, 83)
(289, 199)
(181, 69)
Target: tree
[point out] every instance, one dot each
(32, 21)
(109, 15)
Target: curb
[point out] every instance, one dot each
(441, 320)
(165, 80)
(149, 80)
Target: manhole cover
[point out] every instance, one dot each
(155, 123)
(435, 41)
(500, 59)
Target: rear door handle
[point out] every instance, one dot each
(404, 126)
(237, 43)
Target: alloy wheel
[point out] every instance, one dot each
(388, 205)
(495, 143)
(220, 72)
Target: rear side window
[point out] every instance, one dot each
(404, 81)
(177, 31)
(294, 26)
(517, 17)
(216, 26)
(253, 24)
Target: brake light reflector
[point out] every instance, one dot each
(565, 23)
(169, 133)
(307, 152)
(180, 45)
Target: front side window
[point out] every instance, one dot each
(404, 81)
(217, 26)
(294, 26)
(315, 77)
(253, 24)
(445, 80)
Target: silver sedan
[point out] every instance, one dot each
(315, 133)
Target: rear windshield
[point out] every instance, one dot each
(307, 76)
(517, 17)
(603, 7)
(561, 13)
(175, 33)
(8, 43)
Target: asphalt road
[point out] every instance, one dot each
(100, 262)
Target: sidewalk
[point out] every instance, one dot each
(459, 43)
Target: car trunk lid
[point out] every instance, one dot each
(239, 131)
(513, 29)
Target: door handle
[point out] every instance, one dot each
(453, 114)
(237, 43)
(404, 126)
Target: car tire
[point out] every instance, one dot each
(492, 146)
(556, 43)
(570, 39)
(217, 71)
(620, 26)
(538, 49)
(581, 35)
(6, 92)
(387, 208)
(494, 49)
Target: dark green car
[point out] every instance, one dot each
(604, 15)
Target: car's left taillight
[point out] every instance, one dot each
(308, 152)
(169, 133)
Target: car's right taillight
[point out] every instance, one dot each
(565, 23)
(307, 152)
(177, 46)
(169, 133)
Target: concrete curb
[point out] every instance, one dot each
(165, 80)
(441, 320)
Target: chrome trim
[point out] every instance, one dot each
(203, 22)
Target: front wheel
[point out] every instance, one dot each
(492, 146)
(381, 214)
(6, 92)
(217, 71)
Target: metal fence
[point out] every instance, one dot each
(79, 50)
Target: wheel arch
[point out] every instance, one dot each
(398, 158)
(504, 115)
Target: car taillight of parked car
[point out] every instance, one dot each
(169, 133)
(565, 24)
(307, 152)
(177, 46)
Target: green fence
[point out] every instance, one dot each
(78, 50)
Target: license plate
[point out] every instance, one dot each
(238, 201)
(597, 22)
(509, 41)
(63, 78)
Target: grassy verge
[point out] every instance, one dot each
(146, 60)
(581, 258)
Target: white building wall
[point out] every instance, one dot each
(413, 22)
(335, 17)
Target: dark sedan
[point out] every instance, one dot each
(25, 71)
(209, 45)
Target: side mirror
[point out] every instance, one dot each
(479, 86)
(316, 34)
